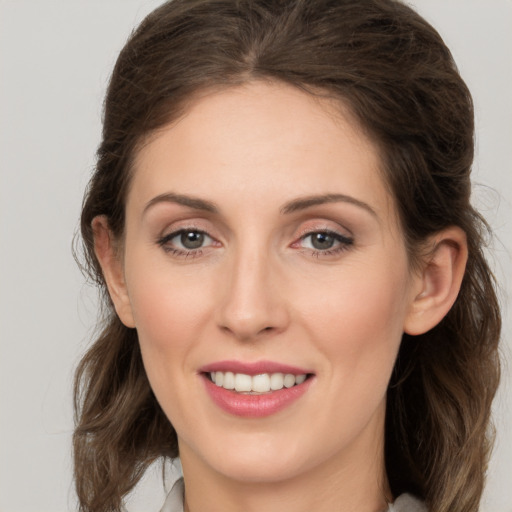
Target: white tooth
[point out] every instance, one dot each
(276, 381)
(299, 379)
(243, 382)
(289, 380)
(261, 383)
(229, 380)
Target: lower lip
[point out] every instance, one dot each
(255, 406)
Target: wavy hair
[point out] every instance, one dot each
(396, 75)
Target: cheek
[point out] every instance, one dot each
(169, 310)
(358, 321)
(169, 317)
(357, 328)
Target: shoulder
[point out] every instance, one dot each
(404, 503)
(407, 503)
(174, 500)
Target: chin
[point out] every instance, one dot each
(260, 458)
(269, 469)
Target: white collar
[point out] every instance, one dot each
(174, 501)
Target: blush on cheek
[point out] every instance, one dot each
(362, 333)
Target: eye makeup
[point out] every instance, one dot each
(191, 242)
(324, 243)
(185, 242)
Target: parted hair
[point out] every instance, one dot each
(392, 70)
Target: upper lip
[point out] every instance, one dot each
(252, 368)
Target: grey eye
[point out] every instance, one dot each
(192, 239)
(322, 241)
(325, 241)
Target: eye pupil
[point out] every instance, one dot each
(192, 239)
(322, 241)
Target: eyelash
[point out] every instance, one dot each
(343, 243)
(181, 253)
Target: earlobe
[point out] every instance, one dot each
(438, 282)
(112, 268)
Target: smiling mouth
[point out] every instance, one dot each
(256, 384)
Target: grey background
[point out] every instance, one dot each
(55, 59)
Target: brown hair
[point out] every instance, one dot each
(397, 76)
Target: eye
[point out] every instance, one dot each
(185, 241)
(321, 241)
(192, 239)
(325, 242)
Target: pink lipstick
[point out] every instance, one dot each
(254, 390)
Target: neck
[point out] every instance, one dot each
(351, 481)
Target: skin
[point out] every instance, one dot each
(258, 289)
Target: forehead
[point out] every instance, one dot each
(264, 140)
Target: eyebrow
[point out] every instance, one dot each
(303, 203)
(293, 206)
(191, 202)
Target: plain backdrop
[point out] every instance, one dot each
(55, 60)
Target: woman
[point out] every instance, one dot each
(298, 304)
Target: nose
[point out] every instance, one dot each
(253, 298)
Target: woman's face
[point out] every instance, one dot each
(262, 241)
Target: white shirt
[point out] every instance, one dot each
(404, 503)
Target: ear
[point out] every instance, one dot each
(438, 283)
(112, 267)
